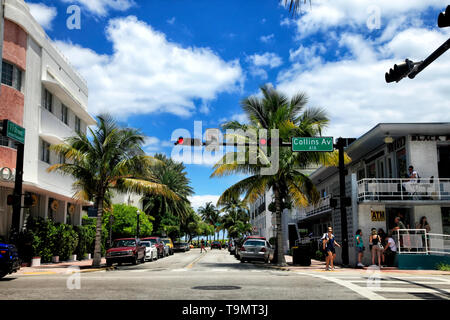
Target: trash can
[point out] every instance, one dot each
(301, 255)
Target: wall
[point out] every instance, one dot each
(423, 156)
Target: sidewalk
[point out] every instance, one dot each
(319, 266)
(62, 267)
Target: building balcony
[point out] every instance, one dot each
(401, 190)
(323, 206)
(52, 129)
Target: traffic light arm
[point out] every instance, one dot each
(436, 54)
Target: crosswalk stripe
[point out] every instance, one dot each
(406, 290)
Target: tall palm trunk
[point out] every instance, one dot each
(280, 247)
(98, 234)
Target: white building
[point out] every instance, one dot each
(375, 182)
(49, 99)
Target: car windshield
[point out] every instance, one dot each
(146, 243)
(124, 243)
(254, 243)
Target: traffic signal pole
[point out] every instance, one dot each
(343, 207)
(436, 54)
(17, 206)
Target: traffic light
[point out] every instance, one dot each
(400, 71)
(13, 200)
(444, 18)
(188, 142)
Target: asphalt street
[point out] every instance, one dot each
(218, 275)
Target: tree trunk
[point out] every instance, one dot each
(280, 247)
(98, 234)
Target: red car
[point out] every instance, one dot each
(158, 243)
(125, 250)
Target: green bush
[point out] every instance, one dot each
(67, 241)
(319, 256)
(86, 240)
(443, 267)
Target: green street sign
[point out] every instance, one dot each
(13, 131)
(316, 144)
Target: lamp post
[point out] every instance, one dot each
(137, 225)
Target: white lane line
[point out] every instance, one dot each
(179, 270)
(363, 291)
(402, 282)
(407, 290)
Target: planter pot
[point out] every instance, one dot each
(55, 259)
(36, 262)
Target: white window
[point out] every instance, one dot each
(45, 152)
(77, 125)
(64, 114)
(48, 100)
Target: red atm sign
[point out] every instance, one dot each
(317, 144)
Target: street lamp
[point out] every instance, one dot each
(137, 226)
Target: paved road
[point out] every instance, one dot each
(218, 275)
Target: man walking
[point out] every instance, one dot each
(202, 246)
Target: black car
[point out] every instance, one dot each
(9, 259)
(181, 246)
(216, 244)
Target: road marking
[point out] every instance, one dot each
(189, 266)
(363, 291)
(407, 290)
(400, 282)
(179, 270)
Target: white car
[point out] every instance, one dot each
(151, 253)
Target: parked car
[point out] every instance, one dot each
(160, 246)
(181, 246)
(216, 244)
(168, 242)
(125, 250)
(9, 259)
(256, 249)
(151, 253)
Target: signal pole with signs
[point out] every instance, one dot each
(16, 133)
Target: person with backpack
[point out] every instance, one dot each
(328, 243)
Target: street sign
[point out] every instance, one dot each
(13, 131)
(321, 144)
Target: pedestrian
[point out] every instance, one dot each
(377, 247)
(329, 242)
(423, 224)
(382, 235)
(202, 246)
(390, 251)
(359, 247)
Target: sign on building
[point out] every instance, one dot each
(378, 215)
(13, 131)
(317, 144)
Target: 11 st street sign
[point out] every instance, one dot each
(316, 144)
(13, 131)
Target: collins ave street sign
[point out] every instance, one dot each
(321, 144)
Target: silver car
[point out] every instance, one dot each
(255, 249)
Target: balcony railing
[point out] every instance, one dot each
(322, 206)
(423, 189)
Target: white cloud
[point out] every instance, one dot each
(102, 7)
(43, 14)
(325, 14)
(201, 200)
(171, 20)
(354, 92)
(267, 38)
(258, 61)
(151, 145)
(149, 74)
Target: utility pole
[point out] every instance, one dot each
(343, 202)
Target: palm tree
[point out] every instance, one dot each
(294, 5)
(173, 175)
(275, 111)
(210, 215)
(235, 210)
(112, 158)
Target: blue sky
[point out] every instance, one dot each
(160, 65)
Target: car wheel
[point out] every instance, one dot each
(155, 256)
(134, 261)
